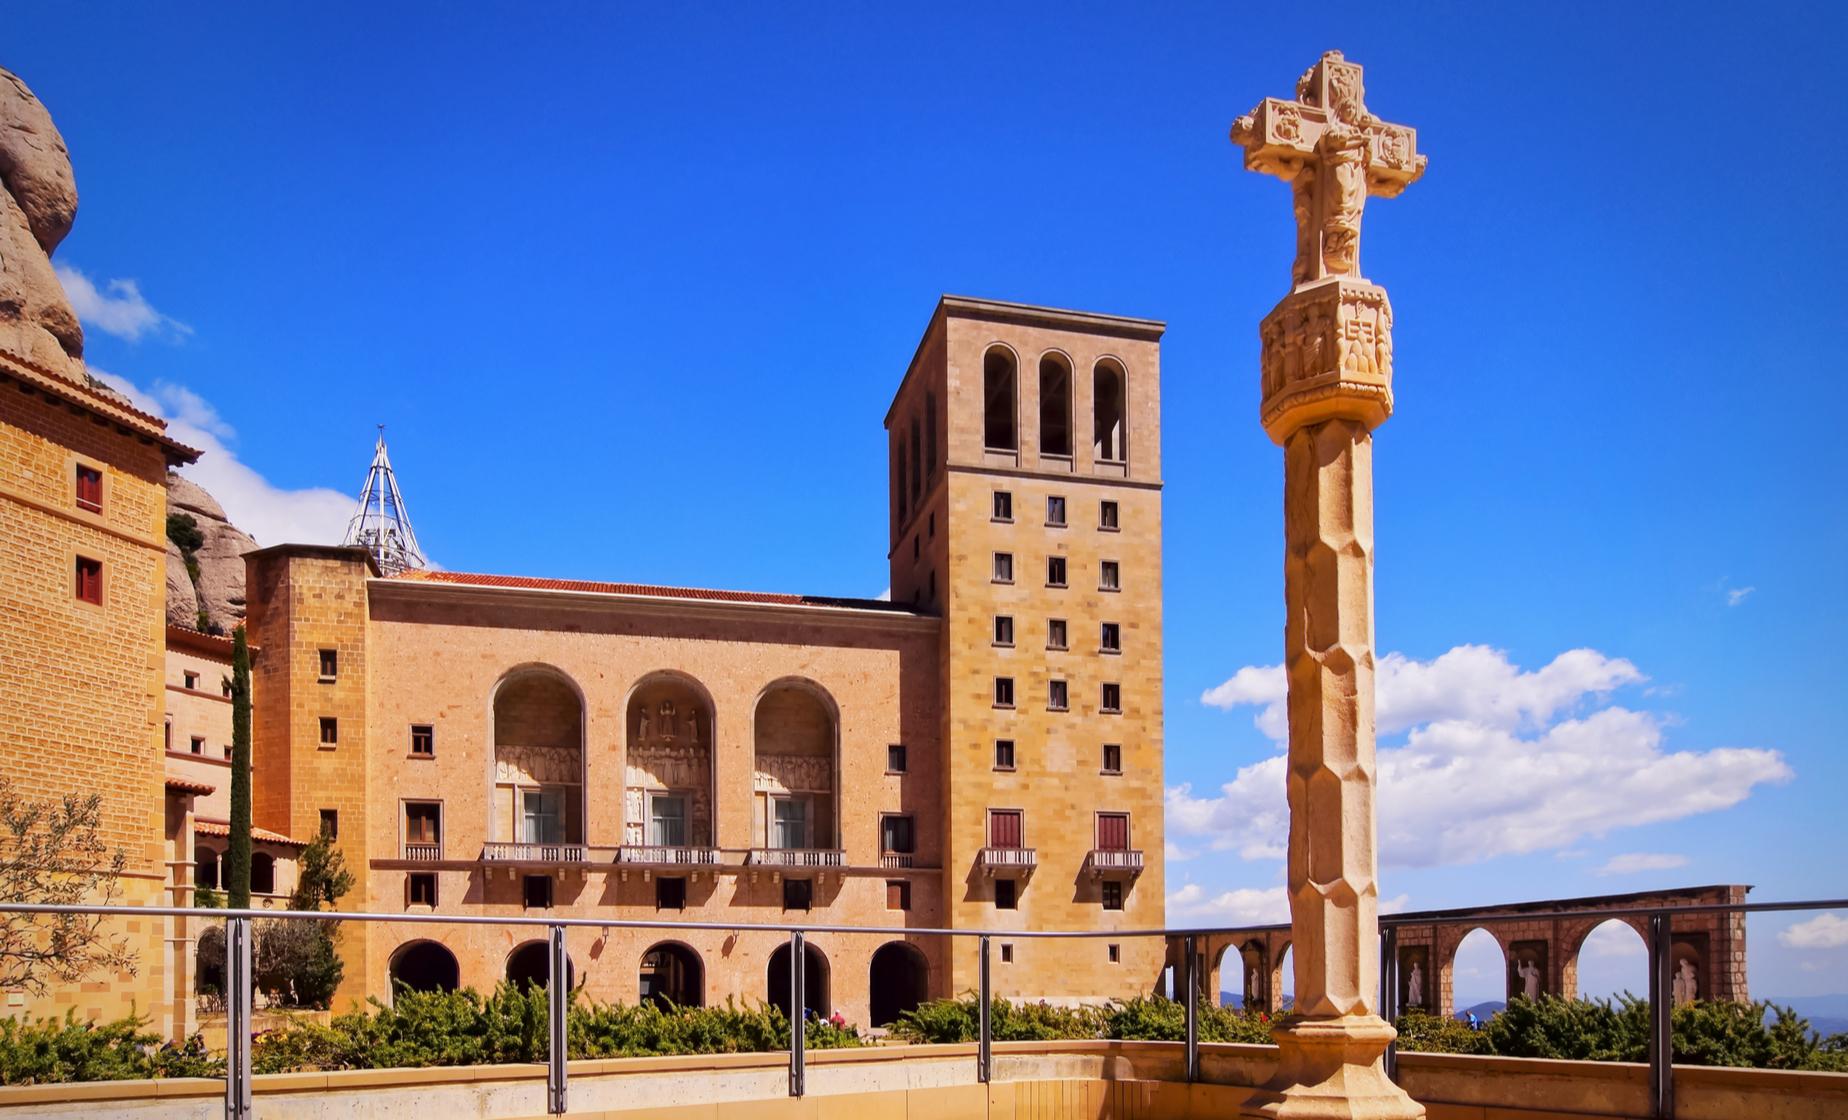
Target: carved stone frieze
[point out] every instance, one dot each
(793, 773)
(537, 766)
(1326, 351)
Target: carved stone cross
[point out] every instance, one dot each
(1333, 153)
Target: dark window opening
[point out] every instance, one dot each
(423, 740)
(1107, 515)
(798, 894)
(1111, 639)
(1112, 894)
(999, 401)
(330, 823)
(1058, 695)
(1113, 758)
(1004, 630)
(895, 759)
(89, 580)
(1004, 506)
(330, 664)
(1004, 692)
(896, 835)
(420, 888)
(90, 489)
(1004, 754)
(1005, 900)
(1055, 633)
(1113, 698)
(538, 892)
(330, 731)
(898, 894)
(670, 893)
(1055, 511)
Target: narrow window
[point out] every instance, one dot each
(198, 744)
(917, 461)
(330, 664)
(1058, 696)
(89, 580)
(1109, 442)
(1004, 754)
(1004, 567)
(933, 524)
(1111, 640)
(798, 894)
(1004, 692)
(896, 836)
(898, 894)
(1004, 506)
(1112, 894)
(1113, 758)
(1005, 900)
(930, 435)
(262, 873)
(191, 681)
(420, 888)
(1113, 698)
(670, 893)
(1109, 577)
(90, 489)
(538, 892)
(330, 731)
(1116, 954)
(423, 740)
(895, 759)
(1055, 512)
(1107, 516)
(1055, 406)
(1000, 400)
(1055, 571)
(330, 823)
(1056, 633)
(1004, 630)
(168, 741)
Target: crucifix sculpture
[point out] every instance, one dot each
(1326, 358)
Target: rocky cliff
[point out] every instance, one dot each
(207, 593)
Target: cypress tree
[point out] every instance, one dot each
(237, 857)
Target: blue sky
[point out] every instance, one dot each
(687, 254)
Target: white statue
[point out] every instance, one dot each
(641, 734)
(1687, 984)
(693, 726)
(1253, 994)
(1414, 986)
(1529, 972)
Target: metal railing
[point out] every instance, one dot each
(1191, 974)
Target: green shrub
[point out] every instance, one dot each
(1439, 1034)
(53, 1051)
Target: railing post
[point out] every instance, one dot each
(984, 1029)
(1661, 1018)
(239, 1004)
(798, 1013)
(557, 1003)
(1193, 1009)
(1389, 993)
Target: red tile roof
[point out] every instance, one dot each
(185, 786)
(220, 828)
(476, 579)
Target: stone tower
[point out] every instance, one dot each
(1025, 464)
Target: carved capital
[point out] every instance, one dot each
(1326, 352)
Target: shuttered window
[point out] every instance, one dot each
(1113, 831)
(1004, 828)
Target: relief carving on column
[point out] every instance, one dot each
(1326, 351)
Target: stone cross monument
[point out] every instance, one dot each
(1327, 383)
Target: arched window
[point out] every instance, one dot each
(1109, 439)
(262, 873)
(424, 966)
(1055, 405)
(672, 976)
(539, 765)
(206, 874)
(796, 736)
(1001, 400)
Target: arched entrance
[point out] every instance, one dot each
(672, 975)
(814, 979)
(1610, 961)
(424, 966)
(899, 981)
(528, 965)
(1478, 975)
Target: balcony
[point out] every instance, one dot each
(666, 855)
(807, 858)
(502, 852)
(898, 861)
(423, 853)
(1114, 862)
(1008, 861)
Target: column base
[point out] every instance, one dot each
(1332, 1069)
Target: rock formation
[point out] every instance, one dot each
(217, 591)
(37, 206)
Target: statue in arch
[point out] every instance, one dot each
(1529, 972)
(1414, 986)
(1687, 982)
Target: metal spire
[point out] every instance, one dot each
(381, 524)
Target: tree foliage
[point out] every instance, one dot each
(237, 854)
(53, 852)
(54, 1051)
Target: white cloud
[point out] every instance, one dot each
(1736, 595)
(117, 308)
(1630, 863)
(269, 513)
(1824, 931)
(1245, 906)
(1397, 904)
(1492, 764)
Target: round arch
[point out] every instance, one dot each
(1057, 391)
(692, 810)
(1000, 397)
(814, 979)
(527, 965)
(1607, 959)
(568, 781)
(672, 975)
(1474, 972)
(1283, 977)
(898, 981)
(424, 966)
(824, 833)
(1110, 410)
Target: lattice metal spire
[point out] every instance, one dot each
(381, 524)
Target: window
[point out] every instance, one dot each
(1112, 698)
(895, 759)
(999, 400)
(89, 580)
(1109, 440)
(1004, 567)
(1004, 506)
(1004, 630)
(420, 888)
(1004, 828)
(330, 823)
(789, 828)
(933, 588)
(1055, 571)
(191, 680)
(1108, 576)
(1112, 894)
(667, 820)
(90, 489)
(1055, 511)
(1113, 832)
(1004, 754)
(227, 750)
(541, 817)
(896, 836)
(798, 894)
(1005, 899)
(330, 731)
(423, 823)
(1058, 696)
(198, 744)
(538, 892)
(423, 740)
(1113, 758)
(262, 873)
(168, 734)
(207, 873)
(1115, 953)
(1004, 692)
(1056, 633)
(1107, 516)
(330, 664)
(1111, 640)
(670, 893)
(224, 686)
(1007, 951)
(1055, 401)
(898, 894)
